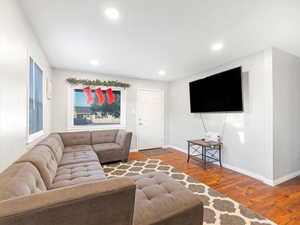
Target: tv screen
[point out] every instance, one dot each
(221, 92)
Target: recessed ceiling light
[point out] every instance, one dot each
(217, 46)
(161, 72)
(94, 62)
(112, 13)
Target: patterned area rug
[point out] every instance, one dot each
(218, 209)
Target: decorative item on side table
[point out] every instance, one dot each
(210, 151)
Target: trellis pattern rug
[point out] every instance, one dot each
(218, 209)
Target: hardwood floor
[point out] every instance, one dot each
(281, 204)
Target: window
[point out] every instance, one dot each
(94, 114)
(35, 100)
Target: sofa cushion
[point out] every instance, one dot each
(161, 200)
(78, 148)
(19, 180)
(108, 152)
(124, 138)
(42, 157)
(106, 147)
(103, 136)
(76, 138)
(54, 142)
(77, 174)
(78, 157)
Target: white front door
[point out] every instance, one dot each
(150, 118)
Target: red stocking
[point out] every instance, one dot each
(111, 97)
(100, 96)
(89, 95)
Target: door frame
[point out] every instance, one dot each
(163, 114)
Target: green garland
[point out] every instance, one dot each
(97, 82)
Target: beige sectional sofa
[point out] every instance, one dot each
(110, 145)
(60, 181)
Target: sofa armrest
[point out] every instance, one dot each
(124, 140)
(108, 202)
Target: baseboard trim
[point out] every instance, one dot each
(286, 177)
(237, 169)
(249, 173)
(175, 147)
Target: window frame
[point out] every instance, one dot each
(33, 137)
(70, 111)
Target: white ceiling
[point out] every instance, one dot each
(152, 35)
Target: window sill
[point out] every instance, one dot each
(34, 137)
(97, 127)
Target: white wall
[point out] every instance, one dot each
(17, 42)
(286, 72)
(61, 99)
(248, 136)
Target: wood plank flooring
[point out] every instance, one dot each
(281, 204)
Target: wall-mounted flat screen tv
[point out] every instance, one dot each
(221, 92)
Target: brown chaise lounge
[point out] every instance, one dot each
(61, 182)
